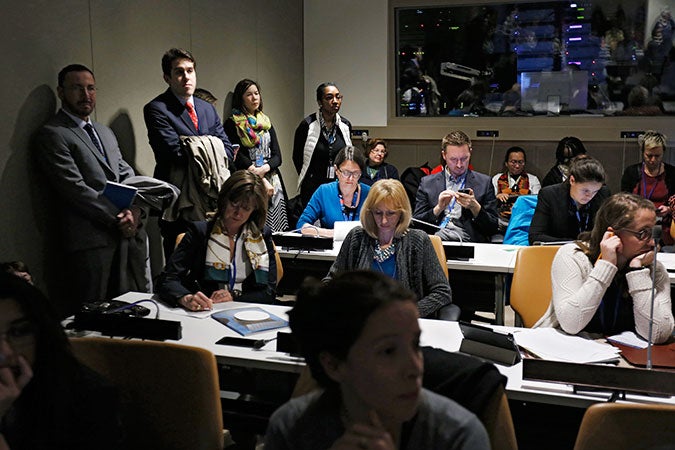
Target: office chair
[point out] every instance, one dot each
(449, 312)
(169, 393)
(624, 426)
(531, 285)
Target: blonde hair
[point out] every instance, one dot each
(386, 191)
(651, 139)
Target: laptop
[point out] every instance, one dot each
(341, 228)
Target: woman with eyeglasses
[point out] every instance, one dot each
(317, 141)
(230, 257)
(602, 283)
(385, 243)
(513, 182)
(340, 200)
(48, 400)
(376, 168)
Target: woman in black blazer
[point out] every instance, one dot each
(566, 209)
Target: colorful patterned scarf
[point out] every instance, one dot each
(523, 184)
(218, 254)
(250, 127)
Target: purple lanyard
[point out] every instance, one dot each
(644, 183)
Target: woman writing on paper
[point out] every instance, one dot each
(603, 282)
(230, 257)
(338, 200)
(386, 244)
(260, 154)
(360, 337)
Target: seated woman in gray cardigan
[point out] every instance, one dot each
(384, 243)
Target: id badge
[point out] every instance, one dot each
(330, 173)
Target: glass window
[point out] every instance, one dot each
(608, 57)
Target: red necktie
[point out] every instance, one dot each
(193, 114)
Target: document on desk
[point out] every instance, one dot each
(554, 345)
(249, 320)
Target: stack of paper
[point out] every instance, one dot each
(554, 345)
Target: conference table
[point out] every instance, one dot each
(492, 260)
(200, 330)
(496, 261)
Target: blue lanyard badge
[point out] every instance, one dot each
(349, 212)
(450, 207)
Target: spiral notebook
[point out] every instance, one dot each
(249, 320)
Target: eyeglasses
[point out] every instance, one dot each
(642, 235)
(241, 205)
(78, 88)
(349, 174)
(378, 151)
(19, 332)
(330, 97)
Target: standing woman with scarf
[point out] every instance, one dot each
(259, 151)
(317, 141)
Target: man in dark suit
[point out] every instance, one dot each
(176, 113)
(462, 202)
(78, 157)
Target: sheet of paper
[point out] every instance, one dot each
(554, 345)
(629, 338)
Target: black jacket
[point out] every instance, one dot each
(554, 220)
(184, 272)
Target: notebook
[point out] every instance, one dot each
(249, 320)
(119, 194)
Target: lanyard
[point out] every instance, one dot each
(644, 184)
(583, 225)
(352, 215)
(233, 266)
(451, 206)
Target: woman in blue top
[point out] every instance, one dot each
(337, 201)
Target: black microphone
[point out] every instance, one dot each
(656, 235)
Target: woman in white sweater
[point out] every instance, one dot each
(602, 283)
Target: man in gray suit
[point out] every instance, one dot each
(460, 201)
(78, 157)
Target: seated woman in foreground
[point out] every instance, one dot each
(385, 244)
(603, 283)
(564, 210)
(360, 337)
(230, 257)
(48, 400)
(339, 200)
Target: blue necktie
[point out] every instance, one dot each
(90, 131)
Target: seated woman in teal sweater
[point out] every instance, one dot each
(337, 201)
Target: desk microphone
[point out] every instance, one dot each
(656, 235)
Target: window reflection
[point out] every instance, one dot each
(604, 57)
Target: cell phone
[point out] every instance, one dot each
(237, 341)
(464, 191)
